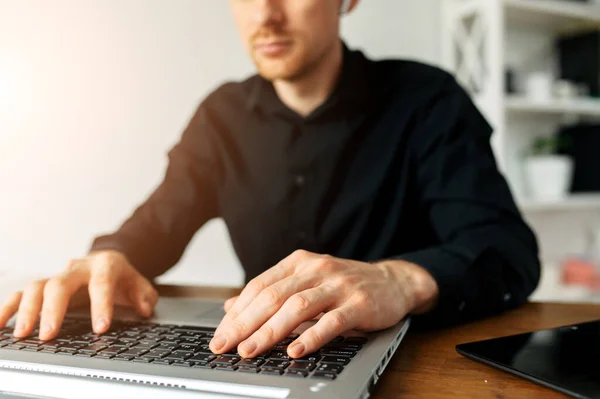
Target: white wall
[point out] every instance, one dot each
(94, 92)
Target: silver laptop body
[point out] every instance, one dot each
(50, 375)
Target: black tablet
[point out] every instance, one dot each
(565, 358)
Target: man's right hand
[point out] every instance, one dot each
(110, 280)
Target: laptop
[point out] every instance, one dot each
(168, 356)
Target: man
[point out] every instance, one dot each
(354, 191)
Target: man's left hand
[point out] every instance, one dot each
(346, 294)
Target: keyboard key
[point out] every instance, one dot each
(150, 335)
(335, 360)
(142, 360)
(331, 368)
(92, 348)
(323, 375)
(248, 369)
(102, 355)
(179, 356)
(275, 364)
(339, 353)
(203, 349)
(31, 349)
(49, 350)
(54, 344)
(272, 371)
(225, 367)
(110, 334)
(65, 353)
(123, 358)
(337, 339)
(84, 354)
(302, 366)
(250, 362)
(162, 361)
(113, 351)
(128, 341)
(226, 359)
(278, 355)
(311, 358)
(14, 346)
(71, 346)
(356, 340)
(188, 340)
(168, 345)
(296, 373)
(121, 344)
(343, 346)
(202, 358)
(149, 342)
(184, 329)
(157, 353)
(31, 342)
(188, 347)
(204, 365)
(182, 363)
(135, 352)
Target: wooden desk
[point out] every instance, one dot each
(427, 364)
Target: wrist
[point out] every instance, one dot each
(421, 289)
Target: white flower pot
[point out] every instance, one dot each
(548, 176)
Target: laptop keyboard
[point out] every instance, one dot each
(183, 346)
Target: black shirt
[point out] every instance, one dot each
(396, 164)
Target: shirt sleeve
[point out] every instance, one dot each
(487, 258)
(155, 236)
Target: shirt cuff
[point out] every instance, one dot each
(448, 265)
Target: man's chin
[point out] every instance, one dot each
(278, 70)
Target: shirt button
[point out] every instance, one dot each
(462, 305)
(507, 297)
(300, 180)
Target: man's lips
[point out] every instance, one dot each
(272, 49)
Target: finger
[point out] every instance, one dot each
(299, 308)
(9, 308)
(278, 272)
(57, 294)
(102, 293)
(332, 324)
(143, 295)
(229, 303)
(231, 332)
(29, 308)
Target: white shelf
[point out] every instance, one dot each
(580, 107)
(555, 15)
(581, 202)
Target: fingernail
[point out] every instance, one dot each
(297, 349)
(218, 342)
(248, 347)
(100, 324)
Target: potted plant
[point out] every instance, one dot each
(548, 172)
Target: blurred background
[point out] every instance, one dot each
(93, 93)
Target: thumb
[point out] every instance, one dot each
(230, 302)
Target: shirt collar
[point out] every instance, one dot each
(353, 86)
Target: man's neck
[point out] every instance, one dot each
(306, 94)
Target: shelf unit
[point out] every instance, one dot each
(577, 107)
(481, 37)
(577, 202)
